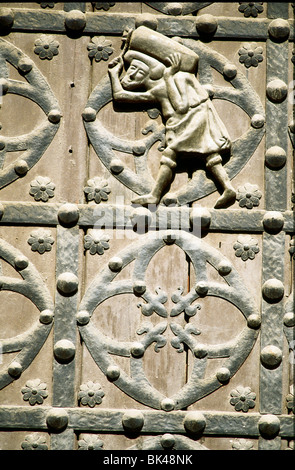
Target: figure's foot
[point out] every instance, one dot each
(227, 198)
(145, 200)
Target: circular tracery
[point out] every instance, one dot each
(104, 349)
(240, 93)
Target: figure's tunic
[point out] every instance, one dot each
(199, 130)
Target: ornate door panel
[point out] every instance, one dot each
(146, 224)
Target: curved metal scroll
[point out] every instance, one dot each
(29, 343)
(104, 349)
(33, 144)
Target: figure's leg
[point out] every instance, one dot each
(214, 165)
(164, 179)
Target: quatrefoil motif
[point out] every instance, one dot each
(104, 349)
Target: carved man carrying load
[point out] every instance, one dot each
(162, 72)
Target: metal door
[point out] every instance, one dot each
(125, 327)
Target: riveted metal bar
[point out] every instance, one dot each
(272, 324)
(276, 123)
(65, 335)
(106, 420)
(66, 307)
(111, 23)
(233, 220)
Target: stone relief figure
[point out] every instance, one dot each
(161, 71)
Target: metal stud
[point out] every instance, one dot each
(133, 421)
(269, 426)
(64, 351)
(15, 369)
(167, 404)
(67, 283)
(271, 356)
(57, 419)
(194, 422)
(279, 29)
(75, 20)
(273, 290)
(68, 214)
(275, 157)
(273, 221)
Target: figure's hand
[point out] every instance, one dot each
(116, 64)
(174, 61)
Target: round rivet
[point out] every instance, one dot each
(137, 349)
(206, 24)
(202, 288)
(223, 375)
(21, 262)
(174, 9)
(15, 369)
(269, 426)
(4, 84)
(6, 17)
(147, 20)
(116, 166)
(68, 214)
(133, 421)
(273, 221)
(271, 356)
(64, 351)
(1, 210)
(89, 114)
(200, 217)
(54, 116)
(194, 422)
(224, 268)
(253, 321)
(200, 351)
(275, 157)
(25, 65)
(257, 121)
(113, 373)
(75, 20)
(115, 264)
(57, 419)
(21, 167)
(229, 71)
(276, 90)
(67, 283)
(139, 287)
(279, 29)
(289, 319)
(170, 199)
(83, 317)
(2, 145)
(46, 317)
(167, 404)
(138, 150)
(273, 290)
(167, 441)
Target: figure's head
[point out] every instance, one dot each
(141, 71)
(136, 75)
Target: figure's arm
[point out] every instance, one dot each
(119, 94)
(176, 94)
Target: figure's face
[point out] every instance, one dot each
(136, 75)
